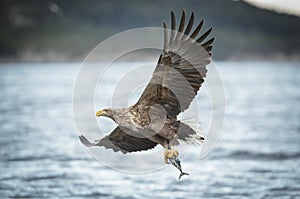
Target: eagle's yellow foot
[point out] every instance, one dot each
(170, 154)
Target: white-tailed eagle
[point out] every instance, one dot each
(179, 74)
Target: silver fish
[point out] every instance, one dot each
(176, 163)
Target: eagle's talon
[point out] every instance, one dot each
(166, 157)
(170, 154)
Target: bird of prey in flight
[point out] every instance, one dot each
(178, 75)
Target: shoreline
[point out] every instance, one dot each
(51, 57)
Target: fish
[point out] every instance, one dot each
(176, 163)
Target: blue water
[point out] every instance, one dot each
(257, 155)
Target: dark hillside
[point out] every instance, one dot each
(68, 29)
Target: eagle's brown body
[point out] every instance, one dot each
(174, 84)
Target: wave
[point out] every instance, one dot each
(263, 156)
(52, 158)
(46, 177)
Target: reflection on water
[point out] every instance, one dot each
(257, 156)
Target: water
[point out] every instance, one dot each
(257, 156)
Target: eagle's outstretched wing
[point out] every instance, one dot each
(180, 70)
(118, 140)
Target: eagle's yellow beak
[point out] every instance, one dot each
(100, 113)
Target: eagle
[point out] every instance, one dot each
(176, 80)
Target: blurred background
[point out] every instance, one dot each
(256, 51)
(67, 30)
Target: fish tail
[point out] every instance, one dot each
(182, 174)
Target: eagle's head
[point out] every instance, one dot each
(107, 112)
